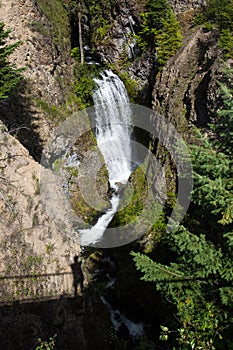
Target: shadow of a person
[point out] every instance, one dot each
(77, 276)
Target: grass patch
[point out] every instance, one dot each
(59, 20)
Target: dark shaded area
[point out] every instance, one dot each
(200, 103)
(77, 276)
(142, 136)
(21, 120)
(37, 287)
(187, 101)
(74, 31)
(204, 76)
(137, 300)
(206, 62)
(22, 324)
(80, 322)
(144, 96)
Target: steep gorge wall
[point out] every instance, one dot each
(26, 230)
(186, 88)
(120, 48)
(45, 54)
(25, 227)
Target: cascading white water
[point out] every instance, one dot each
(113, 131)
(113, 135)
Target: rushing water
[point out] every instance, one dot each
(113, 132)
(118, 319)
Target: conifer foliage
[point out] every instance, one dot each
(198, 273)
(9, 75)
(224, 119)
(160, 29)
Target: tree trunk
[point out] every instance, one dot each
(80, 38)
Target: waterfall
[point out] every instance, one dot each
(113, 135)
(113, 132)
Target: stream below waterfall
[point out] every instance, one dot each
(113, 135)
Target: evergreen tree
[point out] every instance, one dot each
(221, 13)
(224, 117)
(226, 43)
(160, 29)
(198, 274)
(213, 179)
(155, 12)
(168, 38)
(9, 75)
(198, 282)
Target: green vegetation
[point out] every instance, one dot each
(40, 27)
(131, 210)
(131, 85)
(196, 272)
(99, 13)
(224, 119)
(226, 42)
(58, 19)
(50, 110)
(84, 84)
(9, 75)
(49, 248)
(80, 202)
(47, 345)
(219, 14)
(167, 39)
(75, 53)
(224, 145)
(60, 112)
(78, 15)
(160, 29)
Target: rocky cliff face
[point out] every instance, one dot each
(186, 89)
(33, 245)
(45, 55)
(25, 227)
(120, 45)
(186, 5)
(120, 49)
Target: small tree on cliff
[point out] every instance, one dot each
(9, 75)
(160, 29)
